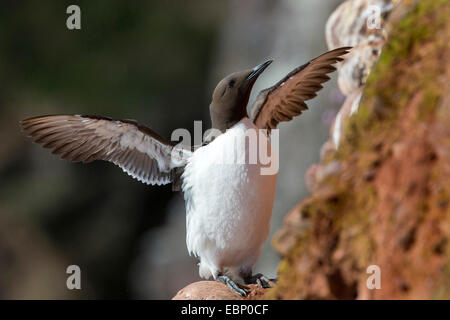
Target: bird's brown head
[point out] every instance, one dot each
(230, 98)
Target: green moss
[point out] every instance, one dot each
(442, 290)
(367, 141)
(387, 92)
(289, 278)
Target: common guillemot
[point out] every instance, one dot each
(228, 204)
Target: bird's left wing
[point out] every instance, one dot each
(136, 149)
(286, 99)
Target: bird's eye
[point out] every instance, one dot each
(231, 83)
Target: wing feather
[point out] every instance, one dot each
(136, 149)
(286, 99)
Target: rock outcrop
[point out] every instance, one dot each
(214, 290)
(381, 193)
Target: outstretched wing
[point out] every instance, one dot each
(286, 99)
(136, 149)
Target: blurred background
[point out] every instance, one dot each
(157, 63)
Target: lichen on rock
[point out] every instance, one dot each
(382, 198)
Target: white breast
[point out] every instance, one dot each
(228, 203)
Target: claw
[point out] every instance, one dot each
(261, 281)
(232, 285)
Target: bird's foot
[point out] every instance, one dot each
(261, 281)
(232, 285)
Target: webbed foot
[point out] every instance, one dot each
(232, 285)
(261, 281)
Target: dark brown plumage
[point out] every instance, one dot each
(151, 159)
(138, 150)
(230, 97)
(286, 99)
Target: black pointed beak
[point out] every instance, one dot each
(258, 70)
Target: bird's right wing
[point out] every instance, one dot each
(136, 149)
(286, 99)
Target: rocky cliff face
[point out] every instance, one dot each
(380, 196)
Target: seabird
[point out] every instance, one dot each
(228, 204)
